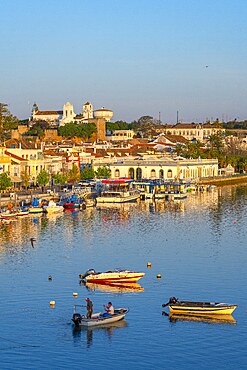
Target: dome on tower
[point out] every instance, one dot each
(107, 114)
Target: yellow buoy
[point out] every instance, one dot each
(149, 264)
(75, 294)
(158, 276)
(52, 303)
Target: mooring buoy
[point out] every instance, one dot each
(149, 264)
(75, 294)
(52, 303)
(158, 276)
(49, 277)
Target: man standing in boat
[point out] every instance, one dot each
(89, 308)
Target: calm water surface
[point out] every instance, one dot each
(199, 246)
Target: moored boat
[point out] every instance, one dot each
(112, 276)
(118, 191)
(52, 207)
(98, 319)
(8, 215)
(36, 206)
(199, 308)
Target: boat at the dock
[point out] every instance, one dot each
(36, 206)
(117, 191)
(52, 207)
(199, 308)
(74, 202)
(7, 215)
(98, 319)
(112, 276)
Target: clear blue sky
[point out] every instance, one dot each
(136, 57)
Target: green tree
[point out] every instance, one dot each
(5, 181)
(60, 178)
(87, 173)
(43, 178)
(8, 122)
(103, 172)
(25, 176)
(74, 174)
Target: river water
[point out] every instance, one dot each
(198, 246)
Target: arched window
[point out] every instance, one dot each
(131, 173)
(138, 173)
(117, 173)
(153, 173)
(169, 174)
(161, 174)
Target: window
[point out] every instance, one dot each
(138, 173)
(117, 173)
(169, 174)
(131, 173)
(153, 173)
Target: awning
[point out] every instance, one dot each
(15, 179)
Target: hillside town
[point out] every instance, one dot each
(48, 144)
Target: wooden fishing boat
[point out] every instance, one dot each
(112, 276)
(98, 319)
(199, 308)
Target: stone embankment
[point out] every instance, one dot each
(225, 180)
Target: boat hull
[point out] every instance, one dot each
(114, 278)
(218, 309)
(36, 210)
(121, 199)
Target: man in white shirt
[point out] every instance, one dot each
(109, 308)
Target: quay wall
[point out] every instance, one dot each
(226, 180)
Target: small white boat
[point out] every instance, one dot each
(112, 276)
(52, 207)
(99, 319)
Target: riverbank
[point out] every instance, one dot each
(227, 180)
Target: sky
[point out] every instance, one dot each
(135, 57)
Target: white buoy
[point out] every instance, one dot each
(149, 264)
(158, 276)
(75, 294)
(52, 303)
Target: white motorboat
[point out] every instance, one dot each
(98, 319)
(52, 207)
(112, 276)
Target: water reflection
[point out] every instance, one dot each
(209, 319)
(114, 288)
(108, 330)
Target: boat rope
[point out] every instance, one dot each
(18, 344)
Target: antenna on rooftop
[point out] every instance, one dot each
(177, 116)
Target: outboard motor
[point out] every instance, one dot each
(88, 272)
(172, 300)
(76, 319)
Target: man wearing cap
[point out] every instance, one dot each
(89, 308)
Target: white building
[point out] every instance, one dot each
(159, 168)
